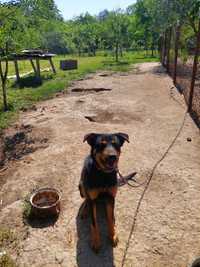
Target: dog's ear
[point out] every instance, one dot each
(122, 138)
(90, 138)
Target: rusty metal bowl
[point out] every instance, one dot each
(45, 202)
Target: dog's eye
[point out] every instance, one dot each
(116, 145)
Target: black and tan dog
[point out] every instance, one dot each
(99, 177)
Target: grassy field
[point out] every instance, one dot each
(30, 91)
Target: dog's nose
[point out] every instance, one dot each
(112, 158)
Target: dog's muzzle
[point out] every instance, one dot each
(111, 161)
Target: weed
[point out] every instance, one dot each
(6, 261)
(6, 237)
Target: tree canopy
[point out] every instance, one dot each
(38, 24)
(30, 24)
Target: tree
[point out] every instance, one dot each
(7, 16)
(116, 26)
(3, 75)
(27, 24)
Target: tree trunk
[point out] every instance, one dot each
(152, 51)
(5, 103)
(117, 52)
(121, 51)
(146, 49)
(3, 75)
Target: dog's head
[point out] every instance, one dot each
(106, 148)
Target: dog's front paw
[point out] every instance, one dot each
(114, 241)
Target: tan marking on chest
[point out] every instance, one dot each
(93, 194)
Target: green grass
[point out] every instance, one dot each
(30, 91)
(6, 261)
(7, 238)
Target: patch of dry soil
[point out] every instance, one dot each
(144, 105)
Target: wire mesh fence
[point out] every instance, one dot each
(179, 53)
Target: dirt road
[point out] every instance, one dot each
(143, 104)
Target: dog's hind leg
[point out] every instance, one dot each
(95, 234)
(110, 204)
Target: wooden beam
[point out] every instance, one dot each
(16, 70)
(38, 68)
(52, 65)
(33, 66)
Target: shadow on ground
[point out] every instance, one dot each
(195, 118)
(84, 254)
(32, 81)
(159, 70)
(41, 222)
(113, 63)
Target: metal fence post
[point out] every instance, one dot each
(194, 72)
(178, 28)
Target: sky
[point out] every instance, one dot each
(72, 8)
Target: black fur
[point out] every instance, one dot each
(93, 177)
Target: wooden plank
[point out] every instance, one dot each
(17, 70)
(69, 64)
(52, 65)
(22, 58)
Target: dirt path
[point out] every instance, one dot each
(143, 105)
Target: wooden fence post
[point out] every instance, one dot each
(164, 48)
(33, 66)
(160, 47)
(169, 47)
(178, 28)
(38, 68)
(16, 70)
(195, 66)
(52, 65)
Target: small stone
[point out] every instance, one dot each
(33, 107)
(189, 139)
(59, 257)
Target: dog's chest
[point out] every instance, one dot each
(99, 179)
